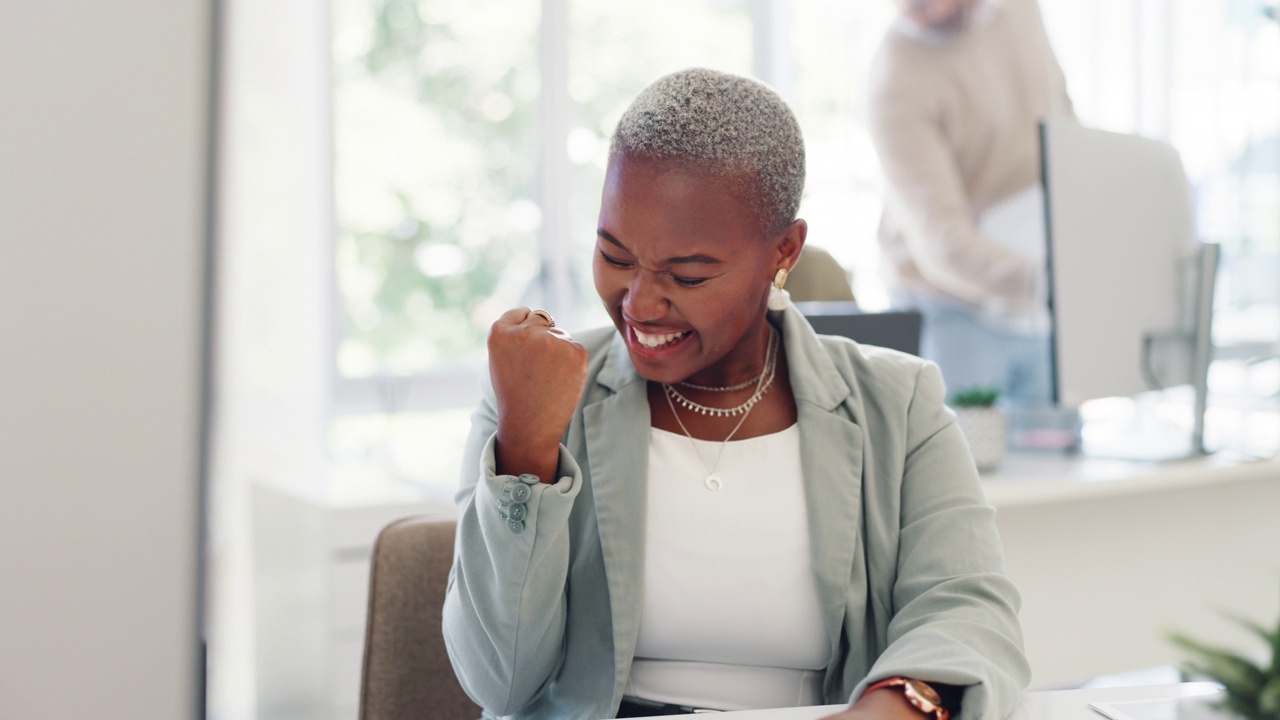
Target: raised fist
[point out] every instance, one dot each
(538, 374)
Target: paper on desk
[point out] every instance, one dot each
(1195, 707)
(1018, 223)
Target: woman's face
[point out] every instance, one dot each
(684, 271)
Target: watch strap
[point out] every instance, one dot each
(908, 687)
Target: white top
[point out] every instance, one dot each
(732, 618)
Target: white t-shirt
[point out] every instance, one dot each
(732, 619)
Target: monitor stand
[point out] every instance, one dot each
(1146, 431)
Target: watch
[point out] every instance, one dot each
(920, 694)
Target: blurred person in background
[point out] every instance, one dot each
(956, 94)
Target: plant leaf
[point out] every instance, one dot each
(1269, 698)
(1240, 676)
(1272, 637)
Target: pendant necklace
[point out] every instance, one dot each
(712, 480)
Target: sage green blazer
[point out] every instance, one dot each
(542, 611)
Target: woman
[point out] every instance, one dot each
(708, 505)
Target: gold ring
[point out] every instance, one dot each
(543, 314)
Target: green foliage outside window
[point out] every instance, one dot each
(434, 109)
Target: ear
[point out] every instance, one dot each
(789, 243)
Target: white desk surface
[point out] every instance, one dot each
(1041, 478)
(1051, 705)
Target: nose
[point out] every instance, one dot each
(645, 300)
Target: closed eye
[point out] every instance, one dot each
(686, 281)
(624, 265)
(615, 261)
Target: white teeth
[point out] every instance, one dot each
(654, 341)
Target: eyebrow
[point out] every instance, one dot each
(696, 258)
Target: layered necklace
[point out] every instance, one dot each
(763, 382)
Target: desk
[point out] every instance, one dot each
(1060, 705)
(1107, 556)
(1110, 556)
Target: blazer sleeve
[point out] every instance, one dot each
(504, 611)
(955, 612)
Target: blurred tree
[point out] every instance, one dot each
(434, 175)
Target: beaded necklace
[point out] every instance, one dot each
(763, 381)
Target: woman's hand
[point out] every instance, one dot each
(882, 704)
(538, 374)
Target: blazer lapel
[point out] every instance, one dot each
(831, 457)
(617, 436)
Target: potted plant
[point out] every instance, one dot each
(1250, 690)
(982, 423)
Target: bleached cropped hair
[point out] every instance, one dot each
(726, 124)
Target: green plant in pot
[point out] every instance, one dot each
(982, 423)
(980, 396)
(1250, 690)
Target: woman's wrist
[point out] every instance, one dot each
(521, 457)
(882, 704)
(934, 701)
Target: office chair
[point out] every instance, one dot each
(406, 673)
(819, 277)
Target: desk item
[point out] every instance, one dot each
(984, 430)
(1119, 220)
(1130, 287)
(1043, 427)
(1018, 223)
(897, 330)
(1193, 707)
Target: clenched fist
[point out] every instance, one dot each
(538, 374)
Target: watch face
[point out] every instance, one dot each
(925, 691)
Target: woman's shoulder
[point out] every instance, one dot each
(878, 373)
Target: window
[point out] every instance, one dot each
(1204, 77)
(469, 156)
(470, 140)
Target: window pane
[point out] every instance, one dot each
(833, 43)
(434, 176)
(616, 48)
(1205, 77)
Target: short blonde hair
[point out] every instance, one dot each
(726, 124)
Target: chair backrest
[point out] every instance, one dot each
(819, 277)
(406, 672)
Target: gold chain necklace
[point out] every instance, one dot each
(762, 383)
(712, 480)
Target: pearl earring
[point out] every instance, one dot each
(779, 299)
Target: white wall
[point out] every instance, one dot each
(103, 133)
(275, 254)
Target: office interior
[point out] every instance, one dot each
(249, 251)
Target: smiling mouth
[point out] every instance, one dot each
(659, 340)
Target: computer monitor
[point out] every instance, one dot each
(895, 330)
(1120, 229)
